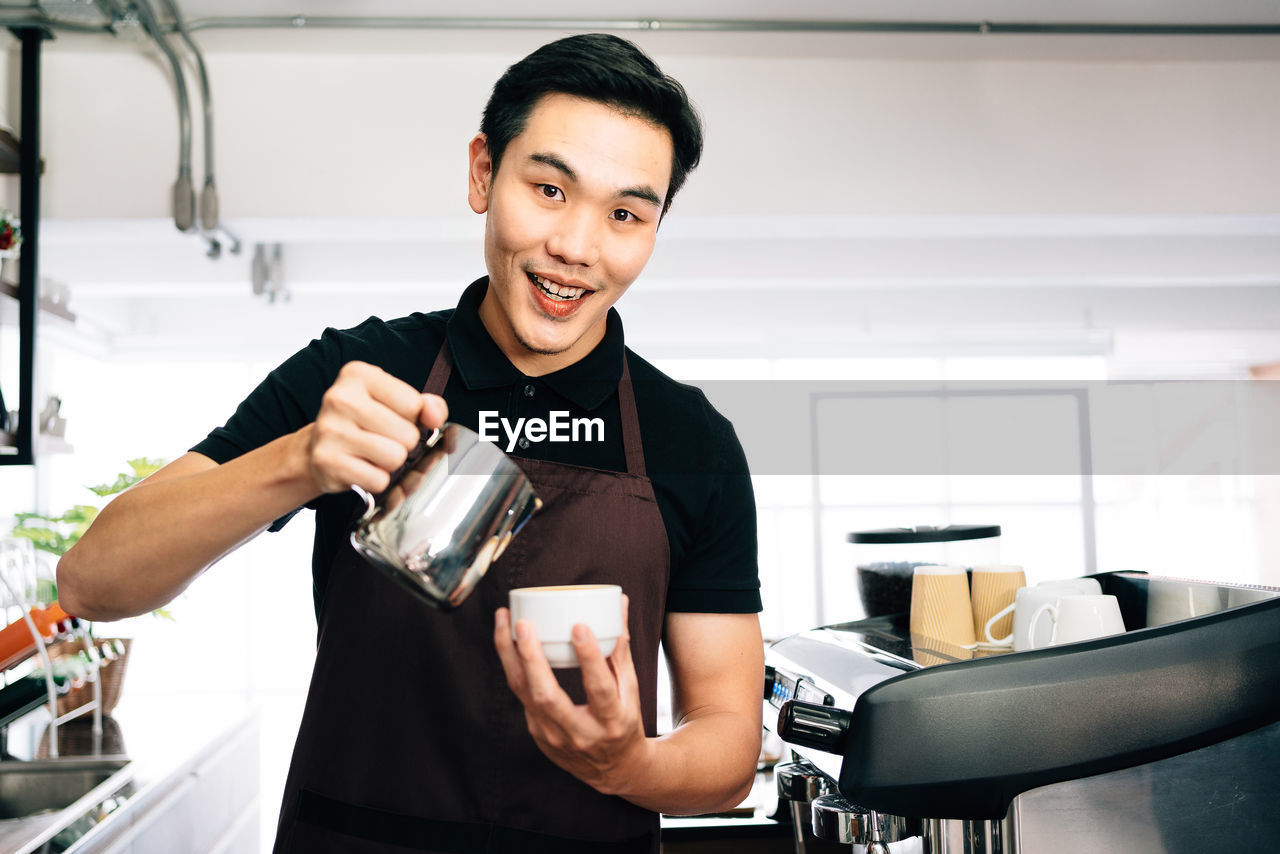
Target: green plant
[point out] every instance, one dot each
(57, 534)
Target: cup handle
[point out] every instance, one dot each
(1035, 619)
(371, 500)
(986, 630)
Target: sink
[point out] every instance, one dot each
(50, 785)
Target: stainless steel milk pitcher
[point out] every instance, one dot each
(449, 513)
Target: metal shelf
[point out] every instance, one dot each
(46, 305)
(20, 449)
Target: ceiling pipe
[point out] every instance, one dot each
(23, 16)
(184, 197)
(729, 25)
(209, 193)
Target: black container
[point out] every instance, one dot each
(887, 559)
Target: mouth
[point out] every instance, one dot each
(556, 299)
(556, 291)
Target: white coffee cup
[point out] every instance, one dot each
(1077, 586)
(1025, 602)
(554, 611)
(1078, 618)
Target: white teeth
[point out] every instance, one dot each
(562, 292)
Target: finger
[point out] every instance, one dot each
(383, 450)
(598, 679)
(507, 654)
(434, 411)
(376, 420)
(622, 649)
(544, 695)
(624, 668)
(351, 401)
(392, 392)
(335, 467)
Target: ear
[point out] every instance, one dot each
(479, 173)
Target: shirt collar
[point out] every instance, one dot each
(480, 363)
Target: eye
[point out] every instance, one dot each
(550, 191)
(621, 215)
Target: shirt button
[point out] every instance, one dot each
(523, 443)
(528, 390)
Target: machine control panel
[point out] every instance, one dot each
(781, 686)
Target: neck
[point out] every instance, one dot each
(531, 362)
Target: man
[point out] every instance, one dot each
(427, 731)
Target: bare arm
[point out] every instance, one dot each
(705, 764)
(153, 540)
(708, 761)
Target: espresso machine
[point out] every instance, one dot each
(1165, 738)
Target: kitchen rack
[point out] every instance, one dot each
(24, 156)
(20, 594)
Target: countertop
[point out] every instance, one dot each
(163, 739)
(750, 819)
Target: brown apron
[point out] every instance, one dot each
(411, 740)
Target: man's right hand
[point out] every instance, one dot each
(127, 563)
(368, 423)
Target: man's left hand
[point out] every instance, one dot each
(600, 742)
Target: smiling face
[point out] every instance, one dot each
(571, 218)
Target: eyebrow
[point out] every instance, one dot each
(644, 193)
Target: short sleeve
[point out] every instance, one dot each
(286, 400)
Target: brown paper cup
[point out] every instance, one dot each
(994, 588)
(940, 607)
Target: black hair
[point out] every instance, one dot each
(602, 68)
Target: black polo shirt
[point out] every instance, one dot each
(692, 454)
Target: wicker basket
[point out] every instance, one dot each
(111, 673)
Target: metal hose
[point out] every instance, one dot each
(184, 197)
(209, 194)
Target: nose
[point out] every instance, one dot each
(576, 238)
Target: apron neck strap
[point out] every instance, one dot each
(442, 368)
(440, 371)
(631, 444)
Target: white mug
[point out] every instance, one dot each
(1077, 586)
(554, 611)
(1078, 618)
(1025, 602)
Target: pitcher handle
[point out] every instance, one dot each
(424, 444)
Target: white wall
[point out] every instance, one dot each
(373, 132)
(1008, 189)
